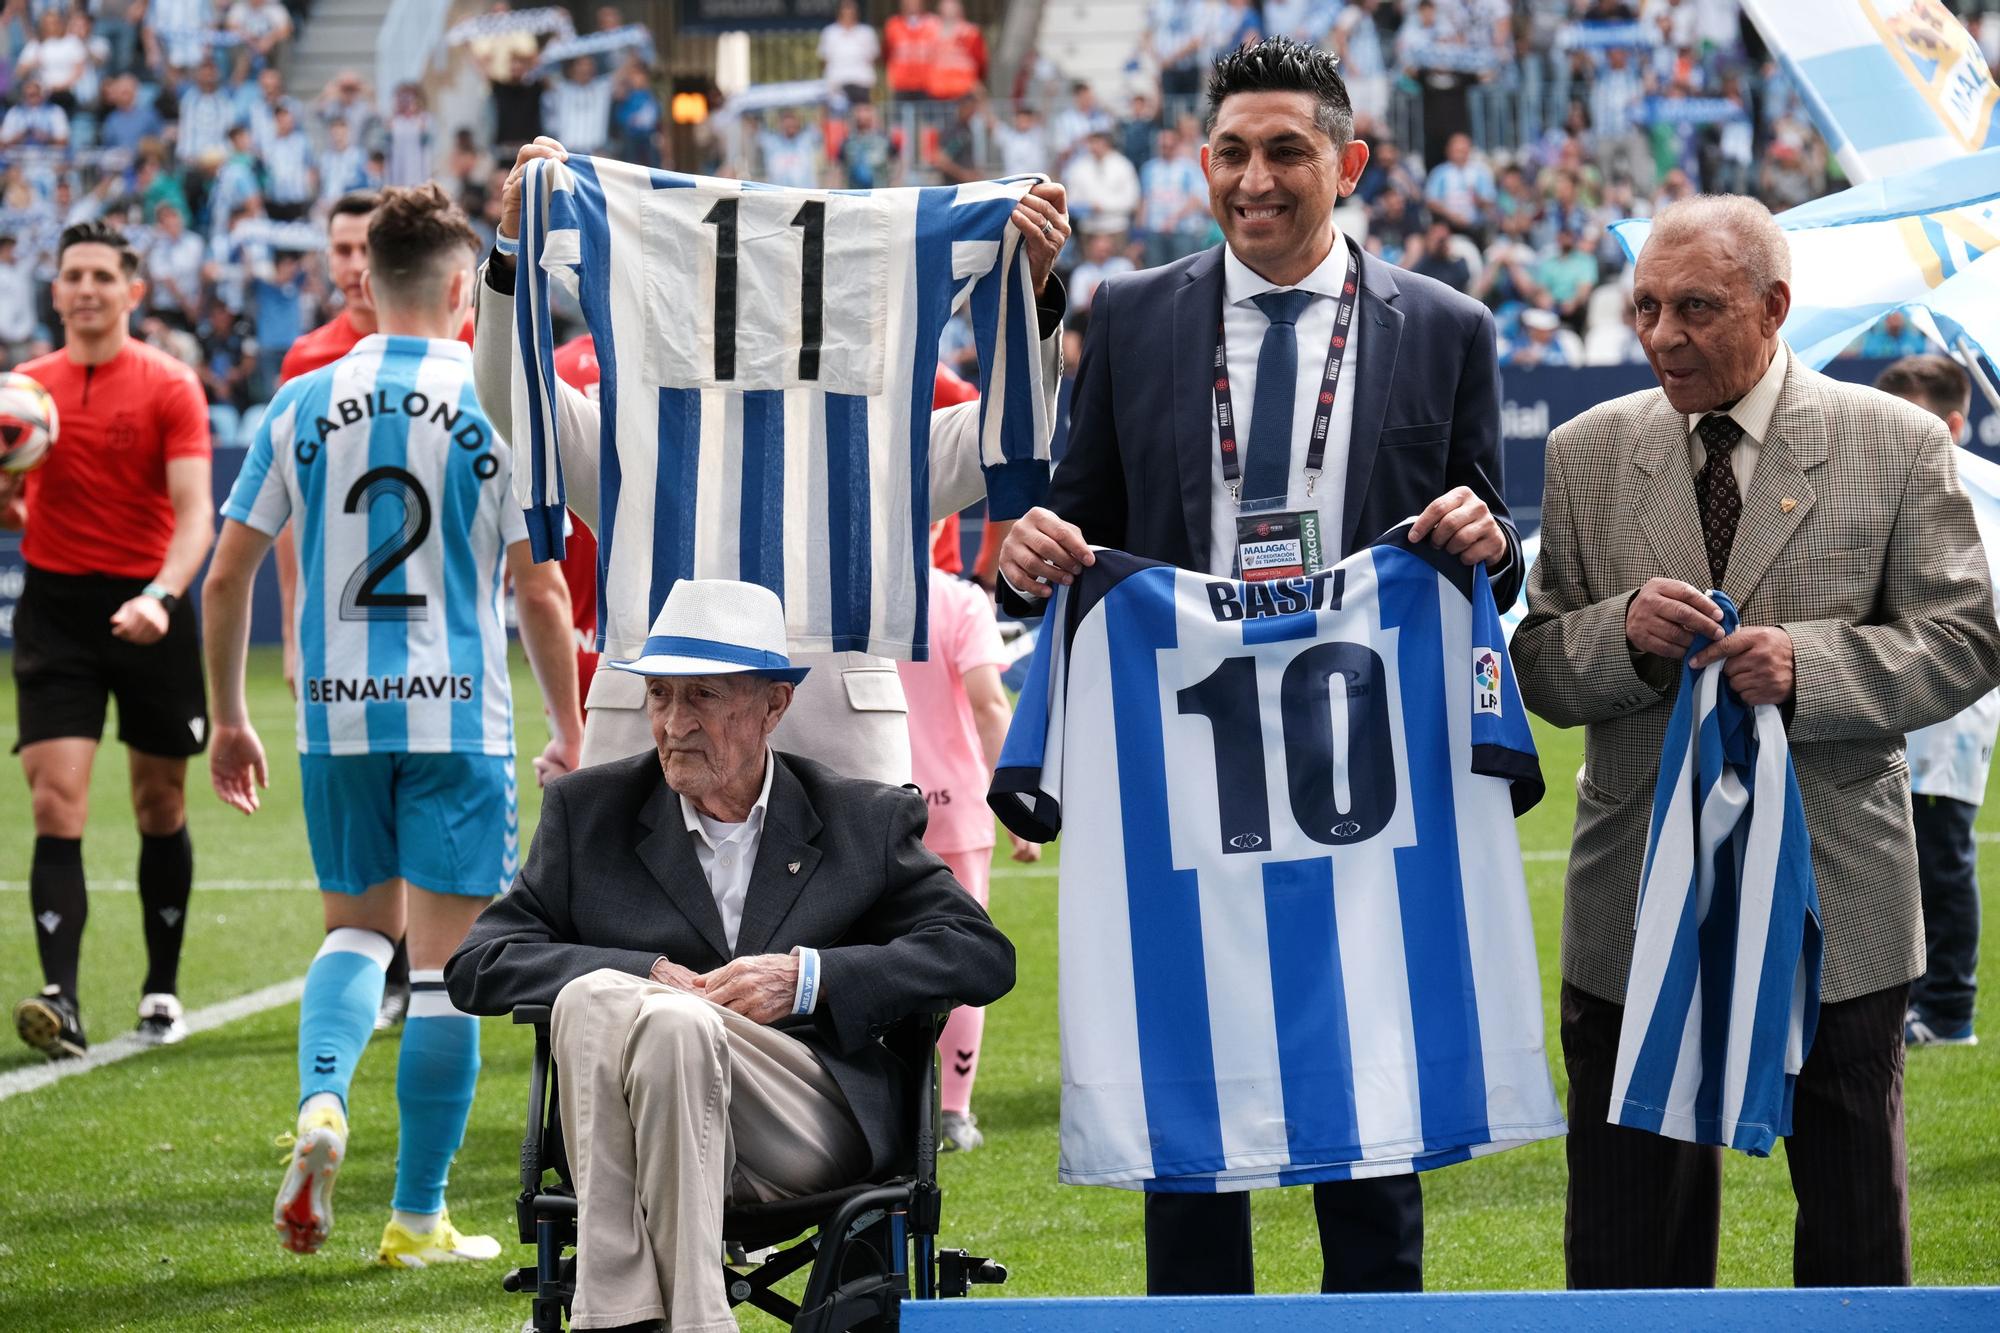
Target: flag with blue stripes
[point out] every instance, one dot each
(1723, 995)
(398, 490)
(1294, 933)
(767, 361)
(1893, 85)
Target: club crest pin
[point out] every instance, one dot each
(1787, 505)
(791, 867)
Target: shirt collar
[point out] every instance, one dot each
(1754, 410)
(1241, 282)
(405, 344)
(753, 822)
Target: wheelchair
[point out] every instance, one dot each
(871, 1245)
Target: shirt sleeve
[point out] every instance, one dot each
(261, 498)
(184, 413)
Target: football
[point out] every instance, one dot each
(27, 422)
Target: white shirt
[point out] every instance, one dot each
(1753, 412)
(1243, 325)
(849, 54)
(728, 851)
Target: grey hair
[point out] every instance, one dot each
(1755, 236)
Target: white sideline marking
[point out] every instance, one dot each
(127, 1045)
(200, 885)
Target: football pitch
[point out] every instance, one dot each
(138, 1195)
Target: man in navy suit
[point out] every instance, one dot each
(1350, 394)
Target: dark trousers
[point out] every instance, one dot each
(1948, 870)
(1371, 1238)
(1645, 1211)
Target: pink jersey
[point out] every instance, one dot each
(945, 756)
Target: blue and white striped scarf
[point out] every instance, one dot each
(1723, 995)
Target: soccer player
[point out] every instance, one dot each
(117, 521)
(400, 490)
(347, 269)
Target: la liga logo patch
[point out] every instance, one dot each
(1486, 681)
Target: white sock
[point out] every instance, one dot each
(319, 1101)
(417, 1224)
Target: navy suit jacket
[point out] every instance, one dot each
(1137, 472)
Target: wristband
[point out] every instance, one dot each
(506, 245)
(162, 594)
(806, 996)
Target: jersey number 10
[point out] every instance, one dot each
(1228, 699)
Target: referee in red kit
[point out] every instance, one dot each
(118, 520)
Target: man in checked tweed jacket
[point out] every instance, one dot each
(1832, 515)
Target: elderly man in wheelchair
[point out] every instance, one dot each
(728, 934)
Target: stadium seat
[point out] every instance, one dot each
(871, 1245)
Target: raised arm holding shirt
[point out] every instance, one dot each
(851, 712)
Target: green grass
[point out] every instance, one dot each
(138, 1196)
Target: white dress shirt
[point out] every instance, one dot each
(1243, 325)
(1753, 412)
(728, 851)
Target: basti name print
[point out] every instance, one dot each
(1276, 597)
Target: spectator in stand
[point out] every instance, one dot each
(1175, 46)
(1615, 344)
(577, 109)
(347, 98)
(1139, 133)
(957, 157)
(34, 121)
(1435, 256)
(56, 59)
(1786, 179)
(635, 114)
(262, 111)
(265, 27)
(1225, 25)
(1103, 186)
(1543, 343)
(291, 168)
(239, 178)
(1460, 189)
(1568, 276)
(17, 303)
(343, 164)
(505, 59)
(1506, 281)
(1075, 123)
(1101, 260)
(1616, 91)
(1306, 21)
(1891, 338)
(173, 268)
(1175, 213)
(128, 121)
(1023, 146)
(278, 315)
(411, 148)
(958, 66)
(207, 112)
(792, 153)
(1356, 38)
(848, 51)
(1387, 172)
(910, 41)
(176, 33)
(867, 155)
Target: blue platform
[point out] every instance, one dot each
(1907, 1310)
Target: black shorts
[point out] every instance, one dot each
(67, 663)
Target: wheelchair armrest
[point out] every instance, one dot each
(537, 1014)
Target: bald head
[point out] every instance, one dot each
(1710, 291)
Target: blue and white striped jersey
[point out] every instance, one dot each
(767, 364)
(1294, 934)
(1723, 995)
(398, 490)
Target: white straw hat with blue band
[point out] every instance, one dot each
(717, 627)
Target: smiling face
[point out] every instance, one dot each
(1274, 177)
(93, 293)
(1708, 333)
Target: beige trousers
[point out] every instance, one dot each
(668, 1101)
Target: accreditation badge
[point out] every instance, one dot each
(1278, 544)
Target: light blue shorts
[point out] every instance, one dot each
(444, 822)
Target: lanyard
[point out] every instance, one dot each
(1336, 353)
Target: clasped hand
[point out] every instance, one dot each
(761, 988)
(1667, 615)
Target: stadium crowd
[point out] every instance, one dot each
(1506, 137)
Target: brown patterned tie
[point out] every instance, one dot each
(1715, 490)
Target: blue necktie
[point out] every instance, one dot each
(1267, 475)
